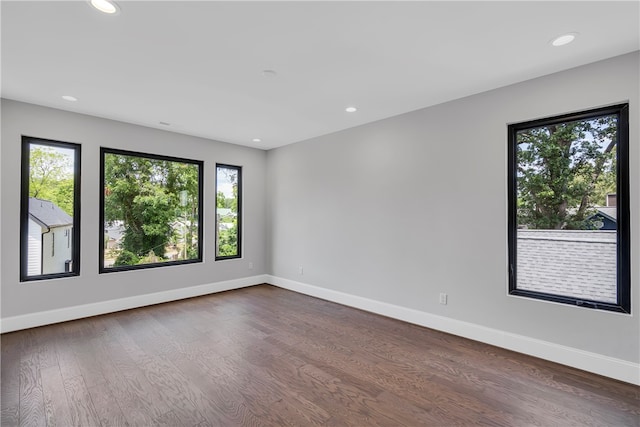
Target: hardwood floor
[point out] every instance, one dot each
(264, 356)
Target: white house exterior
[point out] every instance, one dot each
(50, 238)
(34, 254)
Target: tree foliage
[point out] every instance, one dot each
(51, 176)
(563, 170)
(144, 195)
(228, 225)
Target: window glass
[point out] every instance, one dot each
(50, 209)
(569, 221)
(150, 209)
(228, 218)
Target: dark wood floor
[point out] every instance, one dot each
(264, 356)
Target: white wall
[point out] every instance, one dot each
(402, 209)
(22, 299)
(57, 242)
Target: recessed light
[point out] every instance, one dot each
(105, 6)
(351, 109)
(564, 39)
(164, 123)
(269, 73)
(256, 140)
(69, 98)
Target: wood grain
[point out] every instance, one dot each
(263, 356)
(80, 404)
(31, 395)
(107, 407)
(57, 414)
(10, 376)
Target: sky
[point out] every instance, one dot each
(224, 184)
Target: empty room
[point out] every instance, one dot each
(332, 213)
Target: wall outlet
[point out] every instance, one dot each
(250, 266)
(443, 299)
(300, 271)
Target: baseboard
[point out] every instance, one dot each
(42, 318)
(591, 362)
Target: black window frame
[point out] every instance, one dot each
(101, 249)
(239, 213)
(623, 268)
(27, 141)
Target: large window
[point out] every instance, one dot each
(569, 209)
(50, 209)
(228, 211)
(150, 210)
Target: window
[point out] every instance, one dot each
(569, 211)
(228, 211)
(150, 209)
(49, 209)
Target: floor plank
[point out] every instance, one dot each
(81, 406)
(264, 356)
(107, 408)
(55, 399)
(10, 416)
(10, 376)
(31, 394)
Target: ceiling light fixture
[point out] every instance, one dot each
(105, 6)
(69, 98)
(351, 109)
(564, 39)
(256, 140)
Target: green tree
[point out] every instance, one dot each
(126, 258)
(51, 176)
(144, 194)
(183, 184)
(62, 195)
(607, 182)
(221, 202)
(559, 169)
(228, 237)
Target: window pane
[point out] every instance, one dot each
(50, 209)
(565, 209)
(228, 179)
(150, 210)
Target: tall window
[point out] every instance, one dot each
(569, 209)
(49, 209)
(228, 211)
(150, 209)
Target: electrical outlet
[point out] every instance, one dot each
(443, 299)
(250, 266)
(301, 270)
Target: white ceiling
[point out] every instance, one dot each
(199, 65)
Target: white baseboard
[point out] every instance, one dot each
(42, 318)
(592, 362)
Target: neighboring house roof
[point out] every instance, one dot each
(608, 211)
(580, 264)
(48, 213)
